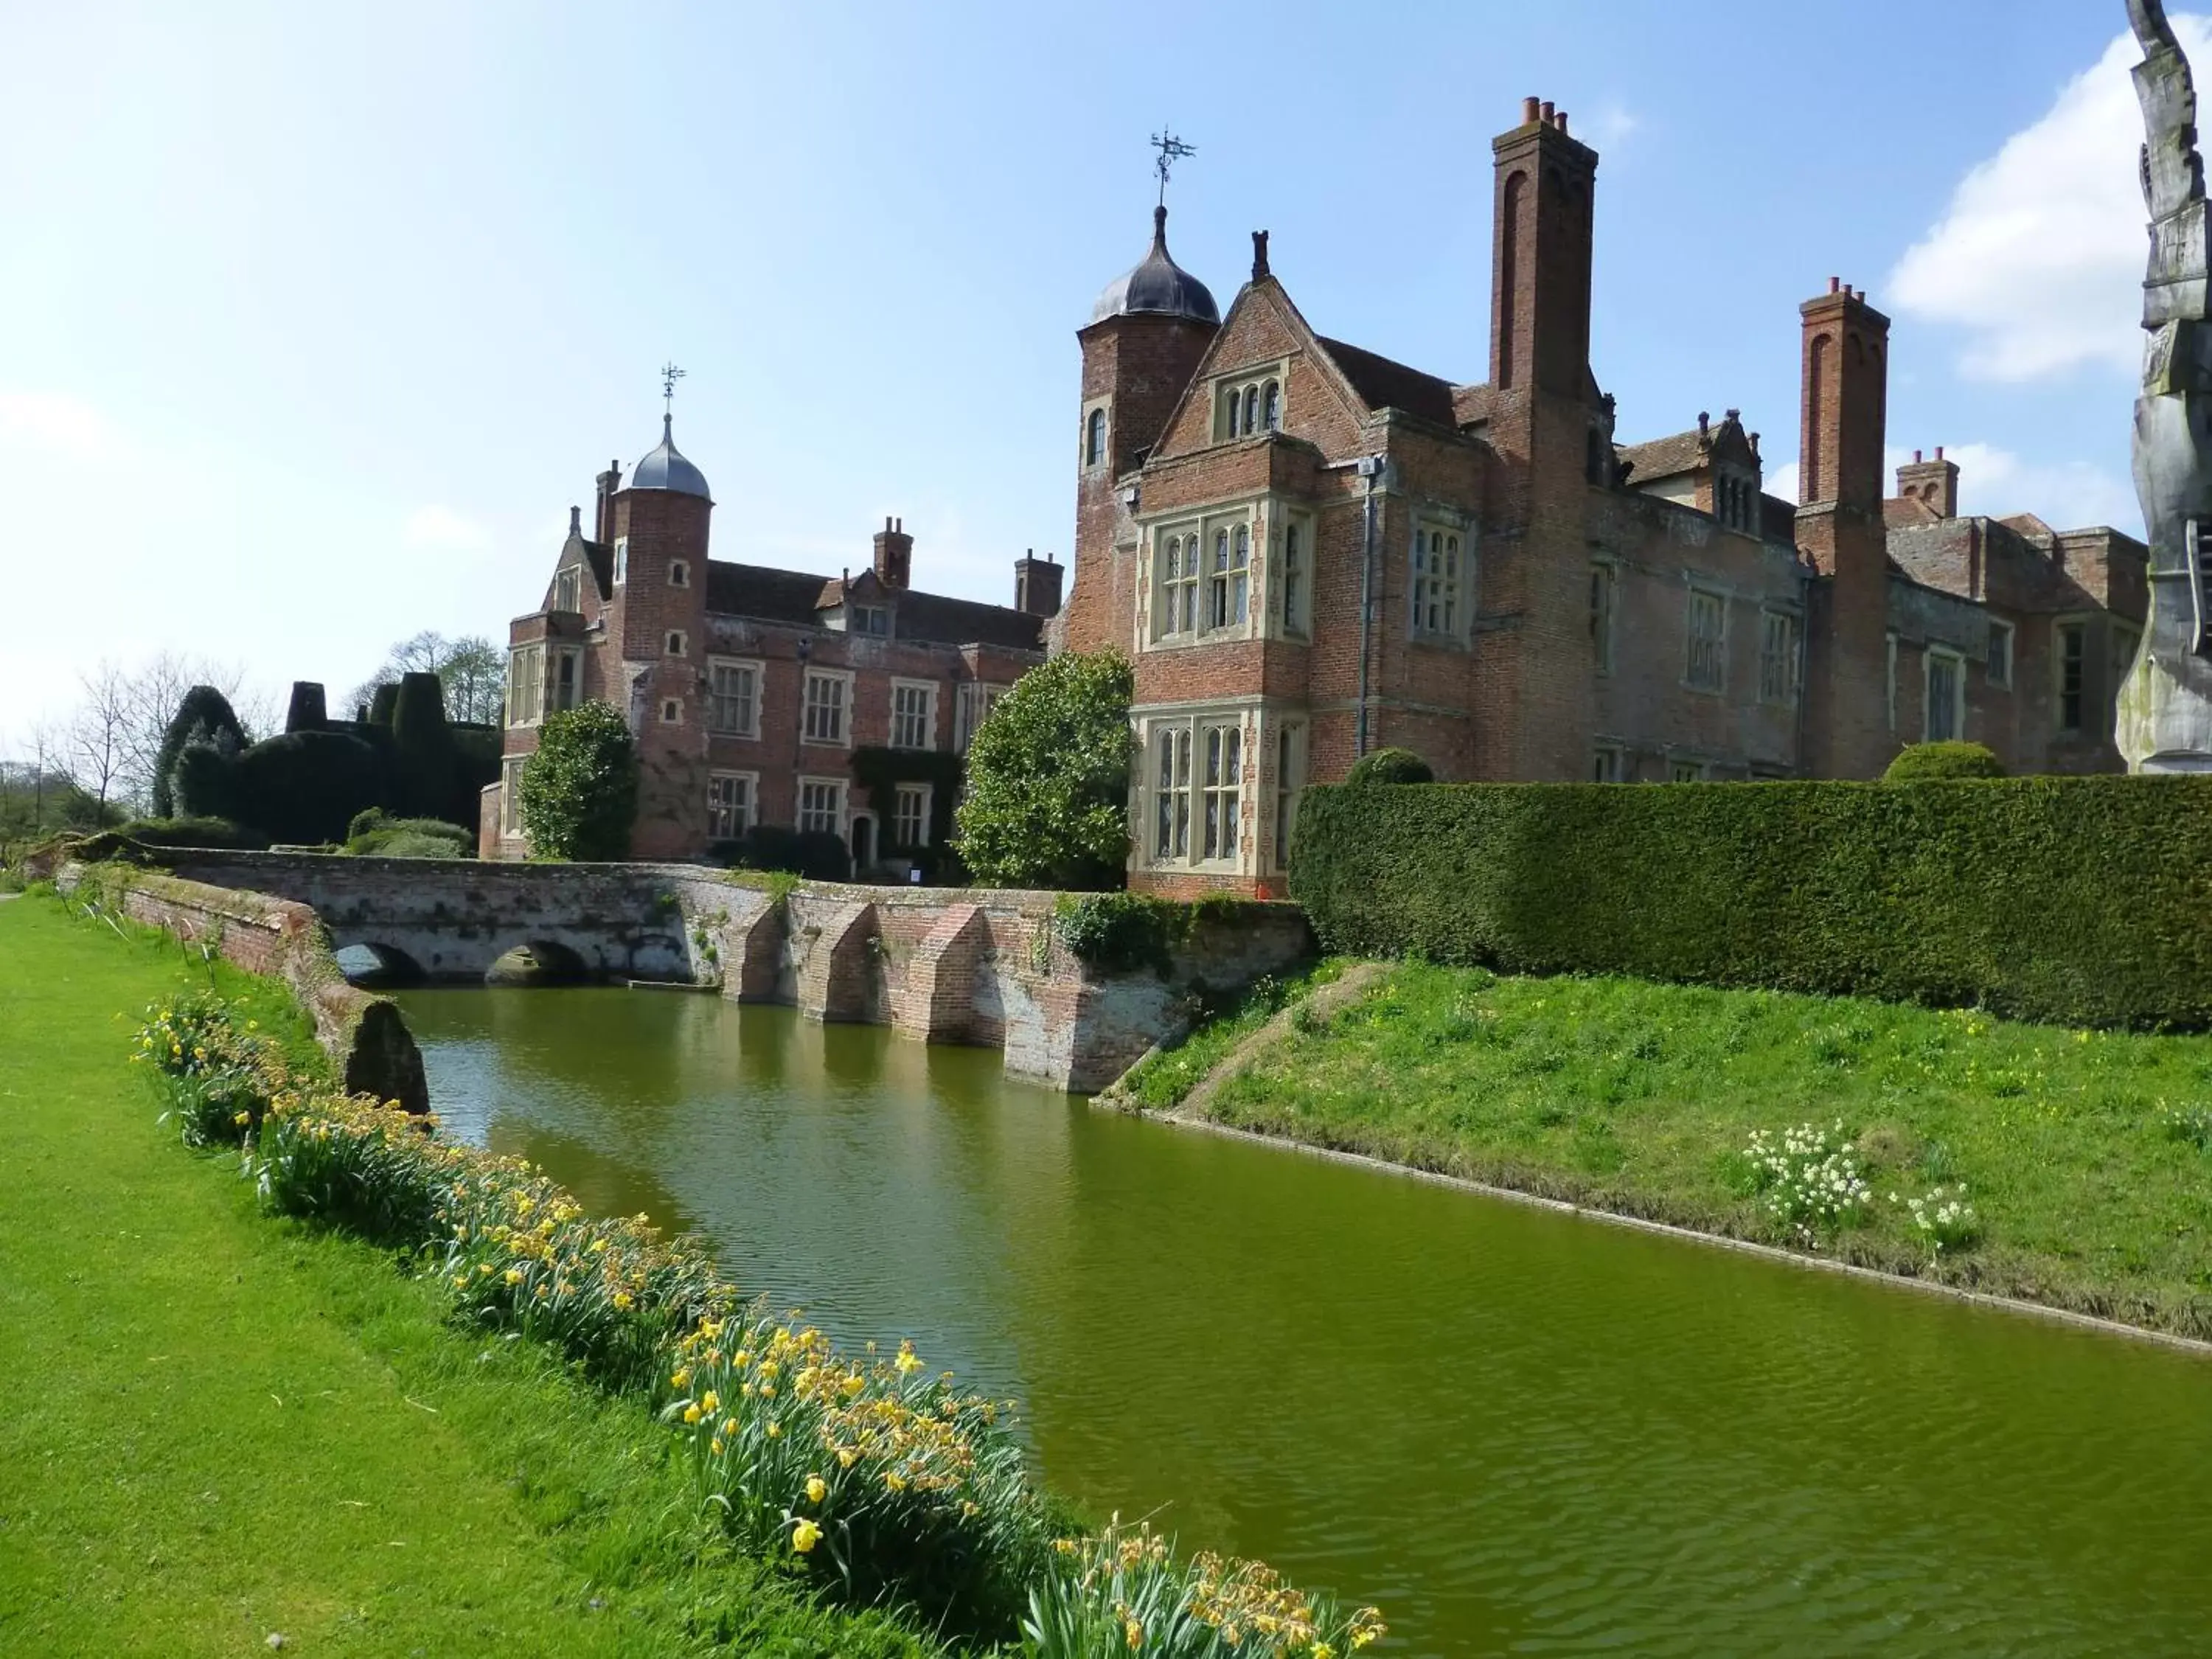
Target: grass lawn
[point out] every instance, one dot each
(220, 1426)
(2087, 1156)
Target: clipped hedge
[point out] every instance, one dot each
(2081, 901)
(1923, 762)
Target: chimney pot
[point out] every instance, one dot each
(1705, 422)
(1835, 285)
(1529, 112)
(1939, 453)
(1562, 123)
(576, 520)
(1548, 112)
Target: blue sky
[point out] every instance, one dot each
(318, 319)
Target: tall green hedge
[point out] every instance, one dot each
(2084, 901)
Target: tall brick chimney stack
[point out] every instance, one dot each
(610, 484)
(893, 554)
(1845, 408)
(1936, 483)
(1539, 304)
(1844, 400)
(1036, 584)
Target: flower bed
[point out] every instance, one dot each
(874, 1479)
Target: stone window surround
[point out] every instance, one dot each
(679, 573)
(1287, 737)
(1929, 657)
(1794, 669)
(526, 683)
(928, 689)
(911, 803)
(845, 677)
(1095, 407)
(840, 795)
(1609, 763)
(568, 590)
(2060, 626)
(1292, 615)
(1694, 590)
(1430, 520)
(968, 717)
(1249, 387)
(1251, 713)
(621, 560)
(759, 671)
(1265, 515)
(510, 793)
(1605, 610)
(749, 811)
(2009, 654)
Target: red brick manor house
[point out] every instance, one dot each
(751, 689)
(1310, 551)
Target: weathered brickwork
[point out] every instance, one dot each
(942, 965)
(1481, 572)
(711, 663)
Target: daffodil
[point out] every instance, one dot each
(817, 1488)
(804, 1536)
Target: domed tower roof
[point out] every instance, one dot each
(1156, 286)
(665, 468)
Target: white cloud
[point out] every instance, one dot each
(2067, 495)
(1608, 129)
(51, 421)
(443, 528)
(1997, 483)
(2040, 253)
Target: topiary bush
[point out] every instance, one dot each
(1926, 762)
(1389, 766)
(375, 833)
(302, 787)
(423, 762)
(579, 788)
(2080, 900)
(204, 718)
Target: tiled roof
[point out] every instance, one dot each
(1664, 457)
(794, 597)
(1386, 384)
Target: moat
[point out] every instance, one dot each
(1518, 1431)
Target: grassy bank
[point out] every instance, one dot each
(221, 1426)
(2086, 1158)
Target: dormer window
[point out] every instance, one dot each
(1246, 408)
(679, 573)
(566, 587)
(872, 619)
(622, 560)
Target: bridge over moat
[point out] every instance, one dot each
(944, 965)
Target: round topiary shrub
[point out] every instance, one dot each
(1925, 761)
(579, 787)
(1390, 766)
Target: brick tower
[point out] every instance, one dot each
(657, 622)
(1554, 430)
(1145, 336)
(1843, 397)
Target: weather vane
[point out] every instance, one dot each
(670, 374)
(1172, 150)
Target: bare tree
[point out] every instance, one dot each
(99, 735)
(472, 670)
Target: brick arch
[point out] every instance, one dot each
(1509, 272)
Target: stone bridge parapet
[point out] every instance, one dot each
(982, 966)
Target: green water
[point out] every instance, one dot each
(1519, 1432)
